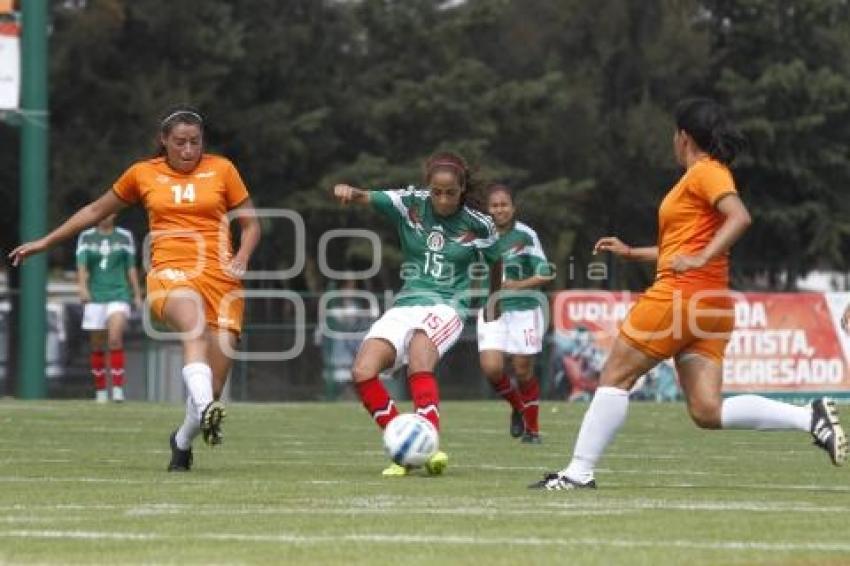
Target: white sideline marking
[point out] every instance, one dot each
(424, 506)
(397, 538)
(349, 511)
(49, 479)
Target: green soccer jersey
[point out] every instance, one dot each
(107, 258)
(522, 257)
(439, 251)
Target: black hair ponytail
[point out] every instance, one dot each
(709, 126)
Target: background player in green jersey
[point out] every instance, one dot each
(518, 330)
(441, 239)
(107, 274)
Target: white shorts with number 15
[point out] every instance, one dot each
(440, 323)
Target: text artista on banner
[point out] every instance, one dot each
(10, 66)
(788, 343)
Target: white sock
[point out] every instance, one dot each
(604, 417)
(198, 379)
(755, 412)
(190, 428)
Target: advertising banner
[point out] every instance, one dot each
(784, 344)
(10, 66)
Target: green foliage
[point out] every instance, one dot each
(783, 69)
(567, 101)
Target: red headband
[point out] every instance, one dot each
(446, 163)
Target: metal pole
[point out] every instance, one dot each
(33, 198)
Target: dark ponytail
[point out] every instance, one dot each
(709, 126)
(182, 114)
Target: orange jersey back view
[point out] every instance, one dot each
(690, 311)
(186, 212)
(687, 221)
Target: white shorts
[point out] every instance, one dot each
(515, 332)
(440, 323)
(95, 315)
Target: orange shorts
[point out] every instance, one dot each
(224, 303)
(663, 327)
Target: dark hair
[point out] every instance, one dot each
(182, 114)
(494, 188)
(709, 126)
(470, 185)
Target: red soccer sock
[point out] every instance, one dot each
(507, 392)
(530, 391)
(116, 367)
(98, 370)
(426, 396)
(377, 401)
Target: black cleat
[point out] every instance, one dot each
(181, 460)
(531, 438)
(211, 419)
(827, 431)
(556, 482)
(517, 424)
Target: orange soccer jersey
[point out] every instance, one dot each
(688, 311)
(190, 233)
(687, 221)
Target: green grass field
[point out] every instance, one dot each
(301, 484)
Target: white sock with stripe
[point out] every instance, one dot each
(604, 417)
(761, 413)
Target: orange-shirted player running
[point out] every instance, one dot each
(194, 283)
(688, 313)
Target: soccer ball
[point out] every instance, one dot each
(411, 440)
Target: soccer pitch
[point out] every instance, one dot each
(301, 483)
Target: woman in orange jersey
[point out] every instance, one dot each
(688, 312)
(194, 283)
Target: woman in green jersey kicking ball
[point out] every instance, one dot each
(441, 239)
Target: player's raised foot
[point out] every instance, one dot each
(827, 431)
(211, 419)
(118, 394)
(395, 471)
(181, 460)
(517, 424)
(531, 438)
(556, 481)
(101, 396)
(437, 464)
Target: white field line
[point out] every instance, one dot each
(408, 506)
(400, 538)
(179, 481)
(350, 511)
(214, 481)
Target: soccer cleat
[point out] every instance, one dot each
(101, 396)
(531, 438)
(118, 394)
(827, 431)
(395, 471)
(211, 419)
(437, 464)
(557, 482)
(517, 424)
(181, 460)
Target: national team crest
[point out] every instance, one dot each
(436, 241)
